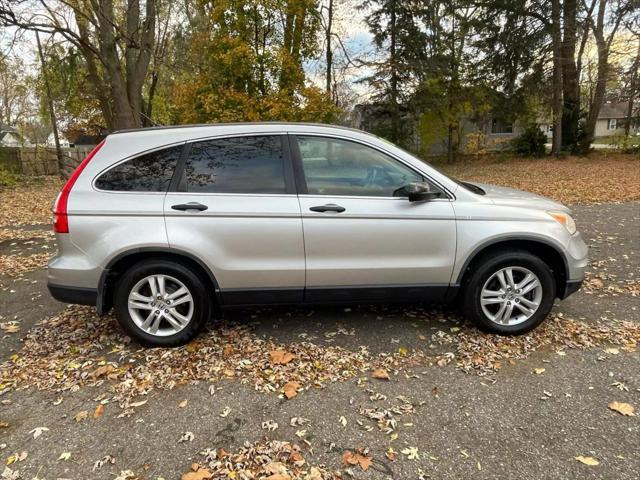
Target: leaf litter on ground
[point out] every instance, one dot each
(78, 348)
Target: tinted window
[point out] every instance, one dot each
(339, 167)
(236, 165)
(151, 172)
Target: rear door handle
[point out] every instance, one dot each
(329, 207)
(190, 206)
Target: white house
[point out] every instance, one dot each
(9, 137)
(611, 120)
(51, 141)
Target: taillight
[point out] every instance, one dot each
(60, 218)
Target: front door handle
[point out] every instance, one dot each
(190, 206)
(329, 207)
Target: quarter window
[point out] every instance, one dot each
(339, 167)
(236, 165)
(150, 172)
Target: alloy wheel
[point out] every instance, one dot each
(511, 295)
(160, 305)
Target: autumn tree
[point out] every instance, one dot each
(244, 62)
(15, 88)
(607, 19)
(115, 37)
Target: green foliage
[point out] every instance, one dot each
(530, 143)
(6, 179)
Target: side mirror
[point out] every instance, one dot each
(417, 192)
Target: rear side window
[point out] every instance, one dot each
(150, 172)
(236, 165)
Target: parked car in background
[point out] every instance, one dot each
(168, 226)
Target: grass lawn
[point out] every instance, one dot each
(601, 177)
(617, 140)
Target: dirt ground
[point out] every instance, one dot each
(80, 401)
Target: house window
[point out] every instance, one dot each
(613, 124)
(501, 127)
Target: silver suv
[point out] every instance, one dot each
(170, 225)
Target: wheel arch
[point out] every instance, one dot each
(547, 251)
(124, 260)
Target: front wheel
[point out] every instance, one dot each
(509, 293)
(161, 303)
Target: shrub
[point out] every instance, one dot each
(530, 143)
(6, 179)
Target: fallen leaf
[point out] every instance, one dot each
(101, 371)
(97, 413)
(291, 389)
(279, 476)
(411, 453)
(357, 458)
(107, 459)
(199, 474)
(625, 409)
(64, 456)
(612, 351)
(280, 357)
(269, 425)
(38, 431)
(380, 373)
(592, 462)
(186, 437)
(539, 371)
(80, 416)
(183, 403)
(225, 412)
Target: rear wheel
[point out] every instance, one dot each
(161, 303)
(509, 292)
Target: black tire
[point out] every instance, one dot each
(201, 302)
(483, 269)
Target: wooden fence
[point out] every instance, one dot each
(41, 160)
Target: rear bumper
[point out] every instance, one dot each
(77, 295)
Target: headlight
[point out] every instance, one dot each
(566, 221)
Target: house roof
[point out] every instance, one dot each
(7, 128)
(614, 110)
(5, 133)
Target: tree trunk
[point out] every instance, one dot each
(52, 113)
(556, 142)
(603, 44)
(329, 57)
(393, 92)
(632, 91)
(598, 97)
(571, 87)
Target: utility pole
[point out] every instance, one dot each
(52, 112)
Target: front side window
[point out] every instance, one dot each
(613, 124)
(236, 165)
(150, 172)
(339, 167)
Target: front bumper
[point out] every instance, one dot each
(577, 261)
(77, 295)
